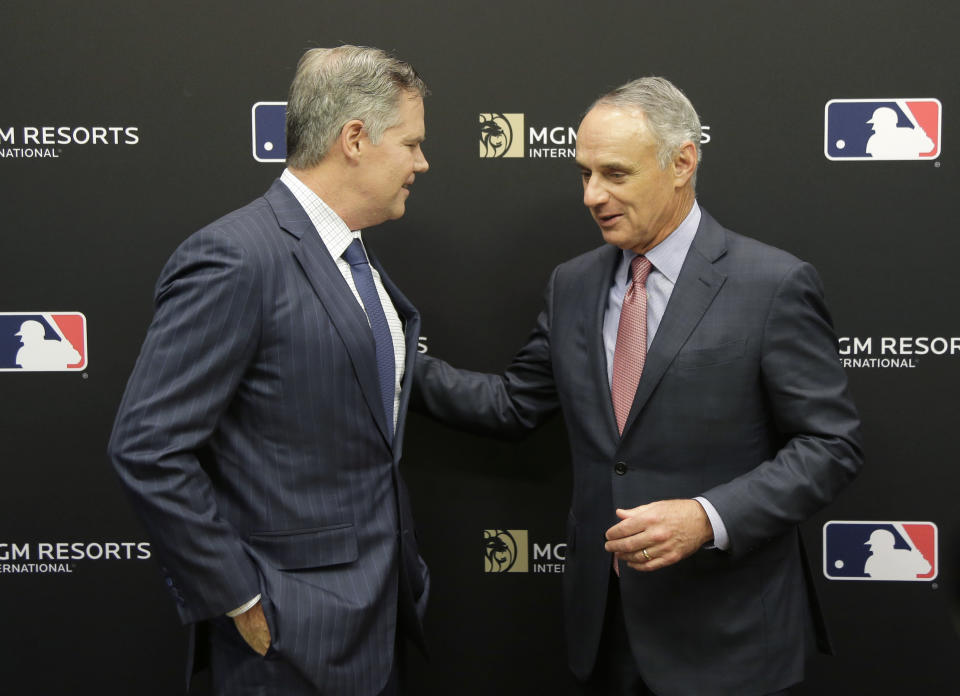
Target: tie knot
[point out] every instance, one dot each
(640, 268)
(354, 254)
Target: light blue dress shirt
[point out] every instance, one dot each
(666, 259)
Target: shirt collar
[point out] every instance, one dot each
(668, 256)
(333, 231)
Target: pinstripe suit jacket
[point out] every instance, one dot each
(742, 400)
(253, 443)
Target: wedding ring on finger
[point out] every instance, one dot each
(646, 555)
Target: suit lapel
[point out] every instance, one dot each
(596, 297)
(333, 292)
(697, 285)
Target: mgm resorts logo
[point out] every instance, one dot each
(894, 351)
(508, 551)
(502, 136)
(54, 557)
(44, 142)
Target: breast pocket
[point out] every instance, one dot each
(714, 355)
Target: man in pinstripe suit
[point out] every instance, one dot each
(260, 433)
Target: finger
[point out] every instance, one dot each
(262, 640)
(620, 529)
(645, 566)
(621, 546)
(256, 641)
(644, 554)
(661, 556)
(626, 545)
(628, 526)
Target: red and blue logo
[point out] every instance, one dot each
(880, 551)
(269, 131)
(882, 129)
(43, 342)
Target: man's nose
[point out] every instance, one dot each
(421, 165)
(594, 193)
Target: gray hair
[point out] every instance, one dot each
(670, 116)
(335, 85)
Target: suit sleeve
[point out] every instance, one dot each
(806, 388)
(508, 405)
(203, 336)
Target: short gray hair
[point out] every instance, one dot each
(670, 116)
(335, 85)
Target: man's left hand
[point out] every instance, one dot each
(668, 530)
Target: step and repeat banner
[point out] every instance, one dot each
(829, 130)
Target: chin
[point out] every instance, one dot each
(621, 241)
(611, 237)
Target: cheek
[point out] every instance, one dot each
(631, 202)
(401, 165)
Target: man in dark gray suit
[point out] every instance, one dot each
(707, 412)
(260, 433)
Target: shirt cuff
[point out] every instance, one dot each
(247, 607)
(720, 538)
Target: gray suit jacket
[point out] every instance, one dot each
(253, 443)
(742, 400)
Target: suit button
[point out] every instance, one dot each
(620, 468)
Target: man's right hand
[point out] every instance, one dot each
(252, 625)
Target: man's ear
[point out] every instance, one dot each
(684, 163)
(350, 139)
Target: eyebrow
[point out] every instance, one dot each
(607, 166)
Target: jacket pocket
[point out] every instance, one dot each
(307, 548)
(715, 355)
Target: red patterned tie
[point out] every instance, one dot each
(631, 350)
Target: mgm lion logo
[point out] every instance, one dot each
(505, 551)
(501, 135)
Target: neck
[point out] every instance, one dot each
(681, 207)
(333, 188)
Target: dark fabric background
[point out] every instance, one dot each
(89, 230)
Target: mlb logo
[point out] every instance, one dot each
(269, 131)
(880, 551)
(43, 341)
(882, 129)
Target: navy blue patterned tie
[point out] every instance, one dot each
(386, 365)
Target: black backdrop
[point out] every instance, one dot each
(87, 227)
